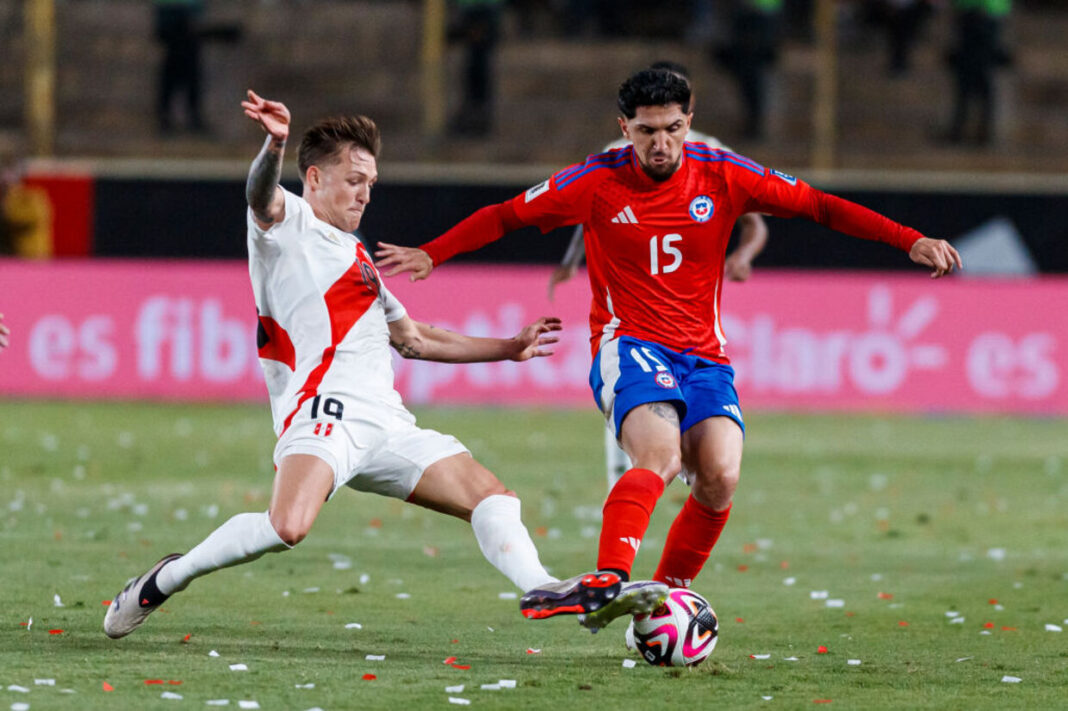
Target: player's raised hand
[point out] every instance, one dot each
(938, 254)
(399, 259)
(531, 341)
(273, 116)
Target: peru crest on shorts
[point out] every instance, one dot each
(701, 208)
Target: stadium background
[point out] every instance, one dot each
(917, 472)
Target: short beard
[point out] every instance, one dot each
(661, 176)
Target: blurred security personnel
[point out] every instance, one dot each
(978, 52)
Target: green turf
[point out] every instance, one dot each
(937, 515)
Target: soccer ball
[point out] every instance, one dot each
(681, 632)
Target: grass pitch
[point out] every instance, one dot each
(931, 550)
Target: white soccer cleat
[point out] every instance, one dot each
(128, 610)
(635, 598)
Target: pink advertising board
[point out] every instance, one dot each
(181, 330)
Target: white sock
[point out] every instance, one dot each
(243, 538)
(505, 542)
(617, 463)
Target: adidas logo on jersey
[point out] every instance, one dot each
(625, 217)
(632, 542)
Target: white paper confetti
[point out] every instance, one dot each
(818, 595)
(20, 706)
(790, 659)
(20, 689)
(403, 596)
(490, 687)
(44, 682)
(305, 686)
(952, 613)
(999, 607)
(964, 659)
(507, 683)
(996, 554)
(1053, 628)
(375, 657)
(629, 663)
(458, 689)
(957, 621)
(56, 601)
(458, 701)
(311, 590)
(353, 626)
(767, 698)
(836, 602)
(984, 632)
(246, 704)
(789, 581)
(1011, 679)
(491, 629)
(238, 667)
(531, 650)
(760, 656)
(213, 653)
(364, 578)
(29, 624)
(853, 662)
(506, 596)
(217, 702)
(170, 695)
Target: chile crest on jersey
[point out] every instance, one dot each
(702, 208)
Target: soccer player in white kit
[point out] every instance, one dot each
(752, 237)
(326, 324)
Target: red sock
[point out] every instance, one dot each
(626, 516)
(689, 543)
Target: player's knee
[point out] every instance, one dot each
(719, 477)
(290, 529)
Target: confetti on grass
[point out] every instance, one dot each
(458, 689)
(821, 650)
(353, 626)
(217, 702)
(375, 657)
(853, 662)
(170, 695)
(44, 682)
(1011, 679)
(458, 701)
(238, 667)
(106, 686)
(1053, 628)
(245, 704)
(629, 663)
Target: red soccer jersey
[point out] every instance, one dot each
(655, 249)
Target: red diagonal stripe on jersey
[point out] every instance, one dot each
(347, 300)
(277, 344)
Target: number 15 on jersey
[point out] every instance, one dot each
(660, 249)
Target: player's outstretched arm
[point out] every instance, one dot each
(938, 254)
(421, 341)
(4, 333)
(752, 237)
(264, 195)
(397, 259)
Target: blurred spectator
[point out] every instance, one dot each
(25, 213)
(750, 50)
(176, 25)
(478, 28)
(4, 333)
(903, 20)
(978, 52)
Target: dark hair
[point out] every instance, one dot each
(673, 67)
(653, 87)
(321, 142)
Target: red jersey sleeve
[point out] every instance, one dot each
(783, 195)
(545, 206)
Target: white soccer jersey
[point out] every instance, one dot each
(323, 314)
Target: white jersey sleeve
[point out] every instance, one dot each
(394, 309)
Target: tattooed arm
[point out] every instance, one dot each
(421, 341)
(264, 196)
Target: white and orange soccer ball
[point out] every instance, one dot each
(681, 632)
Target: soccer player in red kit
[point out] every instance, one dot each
(657, 217)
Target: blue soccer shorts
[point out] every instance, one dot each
(628, 372)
